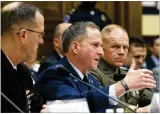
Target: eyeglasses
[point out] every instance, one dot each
(42, 33)
(138, 56)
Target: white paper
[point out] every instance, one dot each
(75, 105)
(155, 107)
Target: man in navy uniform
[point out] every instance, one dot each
(86, 11)
(22, 32)
(82, 47)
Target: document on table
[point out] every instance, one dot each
(74, 105)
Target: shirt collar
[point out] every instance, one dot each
(77, 70)
(14, 67)
(61, 56)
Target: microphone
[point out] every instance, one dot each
(157, 89)
(62, 69)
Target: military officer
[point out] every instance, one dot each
(115, 47)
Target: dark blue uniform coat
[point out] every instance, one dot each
(55, 85)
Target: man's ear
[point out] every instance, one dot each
(22, 35)
(55, 42)
(75, 46)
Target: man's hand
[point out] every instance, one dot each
(127, 110)
(143, 110)
(43, 109)
(139, 79)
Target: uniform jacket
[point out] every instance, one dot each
(53, 85)
(107, 75)
(13, 86)
(150, 63)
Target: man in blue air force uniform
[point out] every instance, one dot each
(82, 46)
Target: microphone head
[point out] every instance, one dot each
(62, 69)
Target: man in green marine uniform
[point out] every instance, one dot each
(109, 71)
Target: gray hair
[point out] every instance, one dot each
(17, 13)
(75, 32)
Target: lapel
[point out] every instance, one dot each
(106, 68)
(5, 62)
(82, 87)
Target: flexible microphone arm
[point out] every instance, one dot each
(63, 69)
(12, 103)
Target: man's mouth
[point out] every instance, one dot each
(96, 60)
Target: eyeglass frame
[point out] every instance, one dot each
(139, 56)
(42, 33)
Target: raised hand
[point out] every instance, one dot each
(139, 79)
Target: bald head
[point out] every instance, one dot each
(115, 44)
(11, 6)
(57, 36)
(111, 31)
(60, 28)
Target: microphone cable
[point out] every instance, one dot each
(62, 69)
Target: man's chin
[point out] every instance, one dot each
(138, 67)
(94, 67)
(118, 65)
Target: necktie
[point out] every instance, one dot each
(85, 79)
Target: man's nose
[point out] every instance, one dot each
(100, 51)
(41, 41)
(141, 60)
(121, 50)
